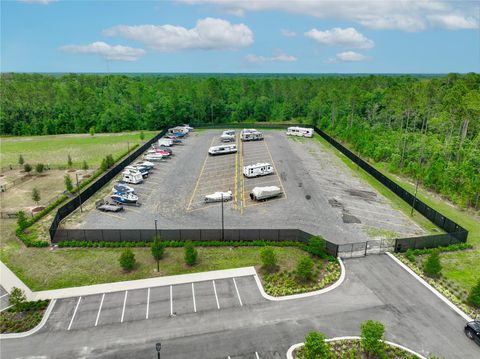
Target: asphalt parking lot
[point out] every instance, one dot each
(321, 194)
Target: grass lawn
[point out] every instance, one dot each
(53, 150)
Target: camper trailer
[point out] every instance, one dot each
(228, 136)
(300, 131)
(221, 150)
(259, 169)
(132, 177)
(264, 193)
(251, 135)
(178, 129)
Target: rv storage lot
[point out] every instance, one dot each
(321, 194)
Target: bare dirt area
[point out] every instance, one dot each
(321, 195)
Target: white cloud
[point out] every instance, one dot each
(288, 33)
(117, 52)
(347, 56)
(43, 2)
(208, 34)
(406, 15)
(277, 57)
(348, 37)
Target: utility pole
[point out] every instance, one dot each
(78, 193)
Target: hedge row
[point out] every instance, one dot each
(450, 248)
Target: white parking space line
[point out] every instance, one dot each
(124, 304)
(238, 293)
(171, 301)
(148, 302)
(74, 312)
(216, 296)
(193, 295)
(99, 309)
(1, 296)
(256, 355)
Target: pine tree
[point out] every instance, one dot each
(36, 195)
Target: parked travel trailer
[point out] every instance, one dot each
(227, 138)
(132, 177)
(300, 131)
(222, 149)
(165, 142)
(251, 135)
(264, 193)
(229, 132)
(259, 169)
(218, 196)
(178, 129)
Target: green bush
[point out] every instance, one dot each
(127, 259)
(69, 161)
(39, 167)
(17, 298)
(268, 258)
(190, 254)
(432, 266)
(474, 295)
(36, 195)
(142, 135)
(22, 221)
(27, 168)
(372, 335)
(68, 183)
(316, 347)
(317, 246)
(21, 161)
(92, 131)
(410, 256)
(157, 250)
(305, 269)
(84, 165)
(450, 248)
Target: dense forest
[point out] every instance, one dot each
(427, 128)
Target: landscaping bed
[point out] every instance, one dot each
(22, 318)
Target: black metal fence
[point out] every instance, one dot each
(71, 206)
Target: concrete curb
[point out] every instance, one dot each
(9, 280)
(430, 288)
(302, 295)
(33, 330)
(298, 345)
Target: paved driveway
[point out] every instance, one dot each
(242, 324)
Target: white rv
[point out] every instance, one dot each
(259, 169)
(132, 177)
(228, 136)
(264, 193)
(167, 142)
(229, 132)
(300, 131)
(178, 129)
(251, 135)
(222, 149)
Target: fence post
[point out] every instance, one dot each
(366, 246)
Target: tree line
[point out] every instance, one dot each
(424, 127)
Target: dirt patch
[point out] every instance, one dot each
(349, 218)
(367, 195)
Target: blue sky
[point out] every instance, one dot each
(293, 36)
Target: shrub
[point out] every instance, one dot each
(317, 246)
(372, 334)
(39, 167)
(36, 195)
(110, 161)
(142, 135)
(305, 268)
(103, 165)
(190, 254)
(21, 161)
(69, 161)
(410, 256)
(269, 260)
(27, 168)
(17, 298)
(432, 266)
(157, 250)
(92, 131)
(84, 165)
(68, 183)
(316, 347)
(22, 220)
(127, 259)
(474, 296)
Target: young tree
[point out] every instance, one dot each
(68, 183)
(317, 246)
(17, 298)
(21, 161)
(104, 165)
(269, 260)
(190, 254)
(69, 161)
(27, 168)
(92, 131)
(84, 165)
(39, 167)
(316, 347)
(157, 250)
(36, 195)
(305, 268)
(372, 334)
(474, 296)
(127, 259)
(22, 221)
(110, 161)
(142, 135)
(432, 266)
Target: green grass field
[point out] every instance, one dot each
(53, 150)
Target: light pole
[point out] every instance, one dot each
(78, 193)
(223, 229)
(156, 230)
(158, 346)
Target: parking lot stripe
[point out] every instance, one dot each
(74, 312)
(256, 355)
(148, 302)
(1, 296)
(216, 296)
(124, 304)
(111, 215)
(238, 293)
(171, 301)
(193, 295)
(99, 309)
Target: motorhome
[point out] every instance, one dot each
(167, 142)
(132, 177)
(221, 150)
(259, 169)
(300, 131)
(264, 193)
(251, 135)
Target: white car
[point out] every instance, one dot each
(217, 197)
